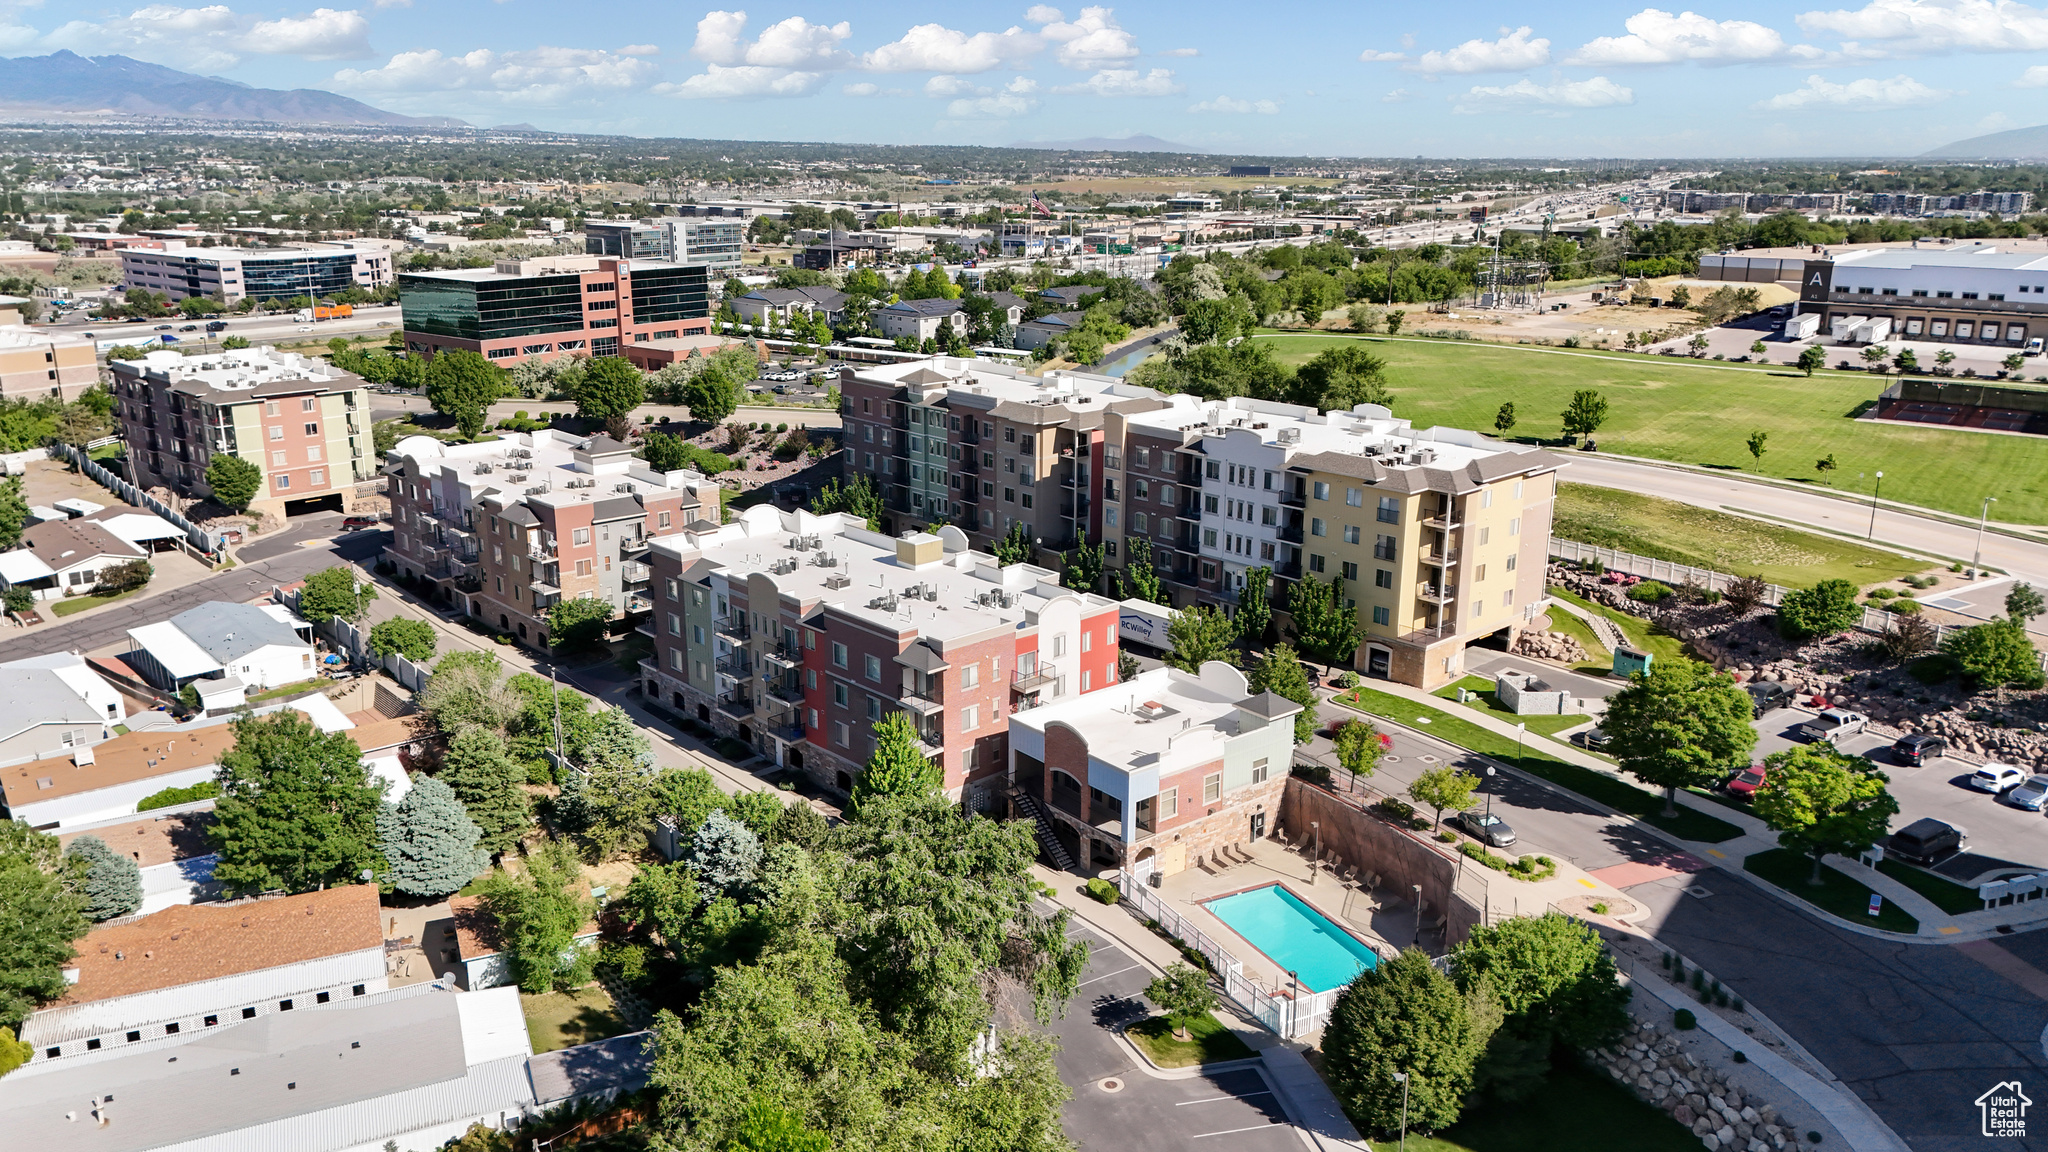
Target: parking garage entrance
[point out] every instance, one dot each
(312, 504)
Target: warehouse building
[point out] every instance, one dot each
(1981, 294)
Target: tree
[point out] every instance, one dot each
(2014, 362)
(412, 639)
(233, 480)
(1825, 609)
(1819, 801)
(1198, 634)
(13, 1053)
(1184, 993)
(611, 386)
(429, 841)
(116, 579)
(13, 512)
(1824, 465)
(1015, 547)
(1359, 747)
(486, 780)
(1757, 440)
(1995, 654)
(1944, 358)
(1340, 378)
(577, 623)
(1681, 296)
(1906, 361)
(1282, 674)
(1083, 568)
(1555, 985)
(1137, 580)
(1698, 344)
(711, 396)
(466, 690)
(664, 453)
(113, 882)
(333, 592)
(1326, 630)
(42, 903)
(1679, 725)
(897, 766)
(1811, 357)
(461, 385)
(1402, 1016)
(726, 856)
(1585, 414)
(767, 1127)
(540, 913)
(1504, 420)
(296, 811)
(231, 343)
(1759, 348)
(2022, 602)
(1441, 788)
(857, 497)
(1254, 610)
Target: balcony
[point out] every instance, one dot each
(1032, 681)
(638, 602)
(1440, 558)
(634, 572)
(1288, 570)
(1290, 533)
(734, 628)
(646, 629)
(633, 546)
(1436, 593)
(1443, 520)
(736, 663)
(1294, 498)
(786, 689)
(737, 705)
(922, 705)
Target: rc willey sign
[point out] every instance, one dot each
(2003, 1110)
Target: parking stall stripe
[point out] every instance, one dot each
(1107, 975)
(1214, 1099)
(1234, 1131)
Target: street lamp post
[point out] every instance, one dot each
(1417, 889)
(1977, 558)
(1402, 1079)
(1489, 793)
(1872, 534)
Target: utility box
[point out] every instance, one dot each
(1628, 662)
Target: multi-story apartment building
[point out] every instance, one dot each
(795, 633)
(179, 270)
(717, 244)
(302, 421)
(1158, 772)
(36, 365)
(507, 528)
(984, 446)
(553, 306)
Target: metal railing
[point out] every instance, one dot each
(1284, 1014)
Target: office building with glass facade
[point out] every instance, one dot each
(231, 274)
(553, 306)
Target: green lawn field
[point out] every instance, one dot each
(1702, 412)
(1704, 538)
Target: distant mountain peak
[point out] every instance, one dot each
(2013, 144)
(64, 81)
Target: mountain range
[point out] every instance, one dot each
(2012, 144)
(119, 86)
(1104, 144)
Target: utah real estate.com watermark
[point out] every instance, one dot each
(2003, 1110)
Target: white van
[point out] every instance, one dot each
(2034, 346)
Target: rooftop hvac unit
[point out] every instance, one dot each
(838, 580)
(1290, 435)
(482, 469)
(536, 490)
(1259, 425)
(622, 488)
(931, 593)
(884, 603)
(796, 543)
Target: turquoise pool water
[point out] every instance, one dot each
(1295, 936)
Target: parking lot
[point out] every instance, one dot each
(1117, 1107)
(2002, 837)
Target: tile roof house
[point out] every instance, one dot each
(263, 646)
(195, 967)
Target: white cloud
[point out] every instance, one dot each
(990, 108)
(216, 37)
(1513, 52)
(794, 43)
(1375, 56)
(1397, 96)
(1866, 95)
(1043, 14)
(1021, 85)
(746, 81)
(1658, 37)
(542, 76)
(2035, 77)
(1182, 52)
(393, 3)
(1094, 38)
(1238, 107)
(861, 89)
(1527, 95)
(937, 48)
(1126, 82)
(949, 86)
(640, 50)
(1918, 27)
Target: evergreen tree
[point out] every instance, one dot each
(296, 809)
(1326, 630)
(726, 856)
(1199, 634)
(1504, 420)
(429, 841)
(13, 512)
(897, 767)
(1083, 566)
(1282, 674)
(42, 904)
(487, 780)
(1015, 547)
(615, 795)
(665, 453)
(113, 882)
(1136, 580)
(1403, 1016)
(1254, 608)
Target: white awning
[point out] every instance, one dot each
(22, 566)
(170, 647)
(135, 527)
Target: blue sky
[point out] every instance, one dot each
(1373, 79)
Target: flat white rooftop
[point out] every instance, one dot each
(240, 368)
(1165, 719)
(1368, 429)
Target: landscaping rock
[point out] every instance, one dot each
(1712, 1141)
(1725, 1134)
(1684, 1115)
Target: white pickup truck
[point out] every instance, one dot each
(1833, 725)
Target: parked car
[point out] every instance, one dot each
(1769, 695)
(1917, 748)
(1996, 778)
(354, 523)
(2032, 795)
(163, 328)
(1833, 725)
(1485, 827)
(1926, 840)
(216, 325)
(1743, 784)
(1593, 738)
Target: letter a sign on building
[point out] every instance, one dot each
(2004, 1110)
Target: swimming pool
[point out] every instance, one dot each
(1295, 936)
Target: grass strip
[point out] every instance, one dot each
(1946, 894)
(1489, 702)
(1838, 893)
(81, 603)
(1576, 1110)
(1210, 1043)
(1639, 632)
(1619, 795)
(302, 686)
(1598, 659)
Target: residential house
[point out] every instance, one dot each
(1010, 306)
(69, 557)
(1068, 297)
(479, 949)
(755, 307)
(258, 646)
(56, 705)
(920, 320)
(1035, 334)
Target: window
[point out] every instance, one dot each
(1059, 645)
(838, 694)
(1139, 522)
(1354, 497)
(675, 624)
(1316, 527)
(312, 429)
(970, 717)
(1390, 510)
(1026, 502)
(1515, 526)
(321, 998)
(284, 482)
(1479, 573)
(1259, 770)
(838, 654)
(675, 659)
(211, 1021)
(1382, 547)
(874, 708)
(307, 404)
(317, 476)
(1351, 535)
(874, 668)
(1478, 609)
(1507, 598)
(1209, 504)
(1511, 562)
(1212, 787)
(134, 1036)
(1087, 680)
(580, 536)
(277, 458)
(696, 633)
(1214, 471)
(1322, 490)
(1209, 537)
(1350, 570)
(313, 454)
(1485, 535)
(1315, 562)
(1382, 578)
(92, 1045)
(270, 408)
(1087, 641)
(1380, 615)
(284, 1005)
(277, 431)
(842, 733)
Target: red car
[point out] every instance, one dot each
(1743, 784)
(353, 523)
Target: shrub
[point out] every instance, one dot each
(1740, 1057)
(1880, 593)
(1651, 592)
(1400, 811)
(1592, 566)
(1103, 891)
(1903, 607)
(1684, 1020)
(171, 797)
(1822, 610)
(1347, 679)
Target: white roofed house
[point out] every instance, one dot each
(256, 646)
(74, 553)
(55, 705)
